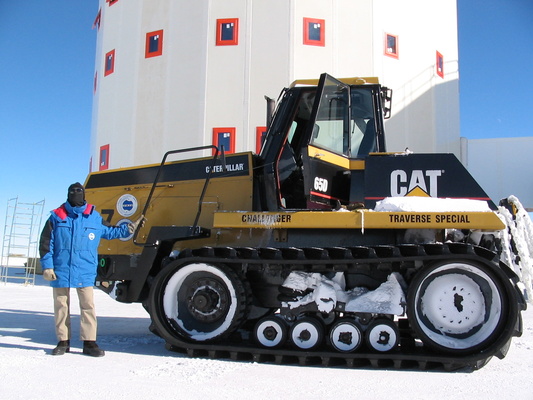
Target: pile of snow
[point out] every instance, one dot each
(388, 298)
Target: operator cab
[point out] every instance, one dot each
(320, 135)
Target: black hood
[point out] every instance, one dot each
(76, 195)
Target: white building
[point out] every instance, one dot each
(502, 167)
(172, 74)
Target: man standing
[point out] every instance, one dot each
(69, 256)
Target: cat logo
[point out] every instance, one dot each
(419, 183)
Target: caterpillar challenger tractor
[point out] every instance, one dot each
(300, 254)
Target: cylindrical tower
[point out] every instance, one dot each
(174, 73)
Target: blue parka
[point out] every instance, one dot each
(69, 244)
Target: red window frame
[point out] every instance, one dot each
(111, 2)
(234, 41)
(439, 65)
(98, 19)
(104, 158)
(394, 53)
(313, 42)
(216, 139)
(260, 133)
(159, 50)
(111, 69)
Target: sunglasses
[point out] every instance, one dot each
(76, 190)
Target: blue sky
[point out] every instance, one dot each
(495, 68)
(46, 81)
(47, 69)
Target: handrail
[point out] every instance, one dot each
(156, 180)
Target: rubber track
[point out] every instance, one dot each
(401, 258)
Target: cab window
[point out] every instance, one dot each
(345, 122)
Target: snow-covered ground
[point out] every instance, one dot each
(137, 366)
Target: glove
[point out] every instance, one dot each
(49, 274)
(132, 227)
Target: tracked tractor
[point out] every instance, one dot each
(323, 248)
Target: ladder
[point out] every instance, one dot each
(20, 244)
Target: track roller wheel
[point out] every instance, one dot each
(198, 302)
(307, 333)
(382, 335)
(457, 307)
(345, 336)
(271, 332)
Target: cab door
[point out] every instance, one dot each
(326, 157)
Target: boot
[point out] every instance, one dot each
(62, 347)
(91, 349)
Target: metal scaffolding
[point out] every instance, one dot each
(21, 241)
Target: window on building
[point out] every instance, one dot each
(260, 133)
(440, 65)
(314, 32)
(154, 44)
(95, 84)
(104, 158)
(111, 2)
(227, 32)
(109, 66)
(98, 20)
(391, 45)
(224, 137)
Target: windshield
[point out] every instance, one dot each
(345, 121)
